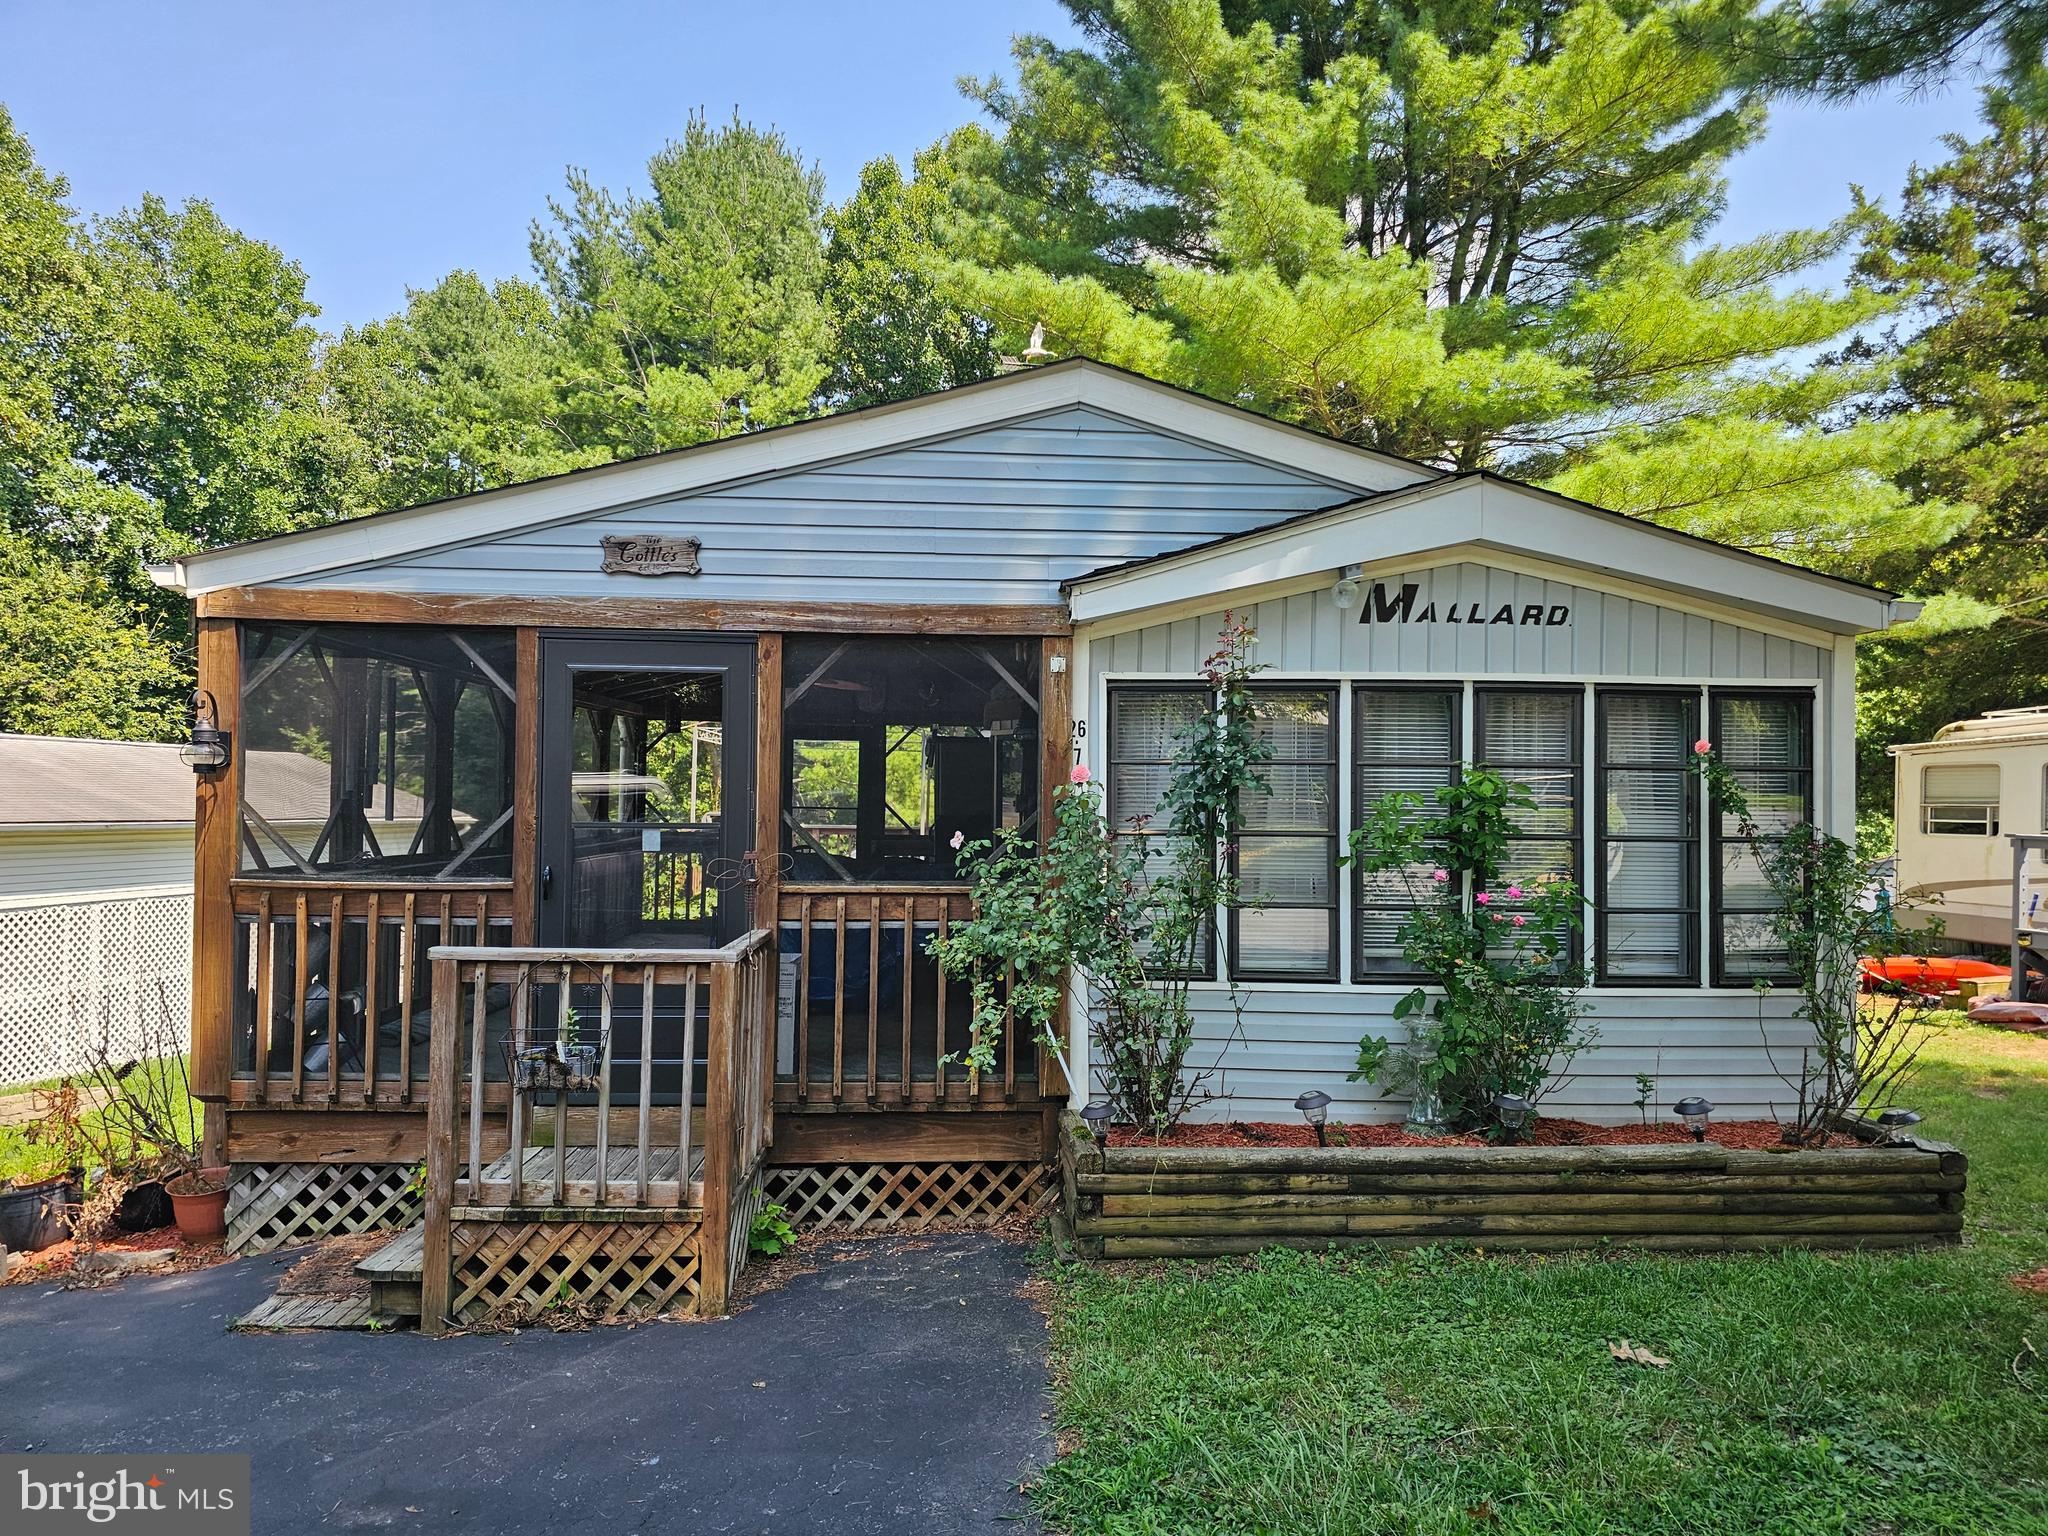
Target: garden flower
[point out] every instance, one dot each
(1520, 920)
(1440, 875)
(1514, 893)
(958, 839)
(1482, 898)
(1703, 745)
(1079, 775)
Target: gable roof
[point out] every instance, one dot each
(1478, 510)
(1013, 397)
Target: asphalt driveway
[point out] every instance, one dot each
(901, 1386)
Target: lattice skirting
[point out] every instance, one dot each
(907, 1195)
(739, 1237)
(273, 1205)
(619, 1269)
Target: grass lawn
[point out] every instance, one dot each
(20, 1155)
(1440, 1392)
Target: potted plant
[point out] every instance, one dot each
(32, 1207)
(199, 1203)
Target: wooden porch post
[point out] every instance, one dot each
(525, 786)
(1056, 762)
(444, 1086)
(768, 843)
(216, 828)
(720, 1111)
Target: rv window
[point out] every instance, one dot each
(1147, 726)
(1959, 799)
(895, 746)
(1531, 736)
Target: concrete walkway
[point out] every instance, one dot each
(900, 1387)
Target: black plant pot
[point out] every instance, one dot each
(32, 1215)
(144, 1208)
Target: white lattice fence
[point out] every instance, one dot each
(910, 1195)
(76, 975)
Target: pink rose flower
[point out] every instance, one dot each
(1440, 875)
(958, 839)
(1520, 920)
(1079, 775)
(1514, 893)
(1703, 745)
(1482, 898)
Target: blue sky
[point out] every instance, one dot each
(382, 145)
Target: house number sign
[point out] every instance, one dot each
(650, 554)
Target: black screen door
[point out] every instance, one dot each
(647, 791)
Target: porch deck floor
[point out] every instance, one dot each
(622, 1165)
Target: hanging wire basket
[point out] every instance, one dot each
(547, 1060)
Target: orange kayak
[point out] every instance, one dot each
(1930, 973)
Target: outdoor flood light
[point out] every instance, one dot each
(207, 751)
(1695, 1112)
(1096, 1118)
(1894, 1123)
(1513, 1112)
(1315, 1109)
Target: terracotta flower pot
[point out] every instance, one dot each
(199, 1204)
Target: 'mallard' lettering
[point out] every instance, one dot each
(1383, 607)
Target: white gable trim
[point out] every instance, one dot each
(1013, 397)
(1487, 519)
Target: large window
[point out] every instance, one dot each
(1286, 846)
(1959, 799)
(376, 752)
(1533, 736)
(1766, 740)
(1404, 740)
(1147, 727)
(893, 747)
(1646, 863)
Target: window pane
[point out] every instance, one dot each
(1298, 798)
(1279, 940)
(1646, 923)
(1292, 870)
(1767, 739)
(1519, 727)
(895, 745)
(1961, 781)
(1404, 740)
(1148, 730)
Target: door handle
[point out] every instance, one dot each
(547, 880)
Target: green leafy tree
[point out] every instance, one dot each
(695, 311)
(1472, 236)
(895, 331)
(75, 660)
(1968, 247)
(1839, 49)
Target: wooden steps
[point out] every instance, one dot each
(393, 1273)
(320, 1310)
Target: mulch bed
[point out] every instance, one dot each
(1752, 1135)
(2035, 1280)
(54, 1265)
(330, 1269)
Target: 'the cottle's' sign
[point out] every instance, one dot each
(1405, 607)
(650, 554)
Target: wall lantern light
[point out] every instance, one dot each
(1695, 1112)
(1894, 1123)
(1513, 1112)
(1315, 1109)
(209, 749)
(1345, 593)
(1096, 1118)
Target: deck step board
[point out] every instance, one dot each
(323, 1310)
(399, 1259)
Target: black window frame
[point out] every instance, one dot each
(1600, 766)
(1572, 958)
(1719, 839)
(1456, 692)
(1331, 971)
(1118, 821)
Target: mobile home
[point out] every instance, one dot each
(692, 735)
(1959, 799)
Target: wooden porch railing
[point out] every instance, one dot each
(331, 1000)
(598, 1155)
(858, 1048)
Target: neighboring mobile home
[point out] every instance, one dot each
(736, 700)
(1958, 800)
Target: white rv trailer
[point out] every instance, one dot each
(1959, 798)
